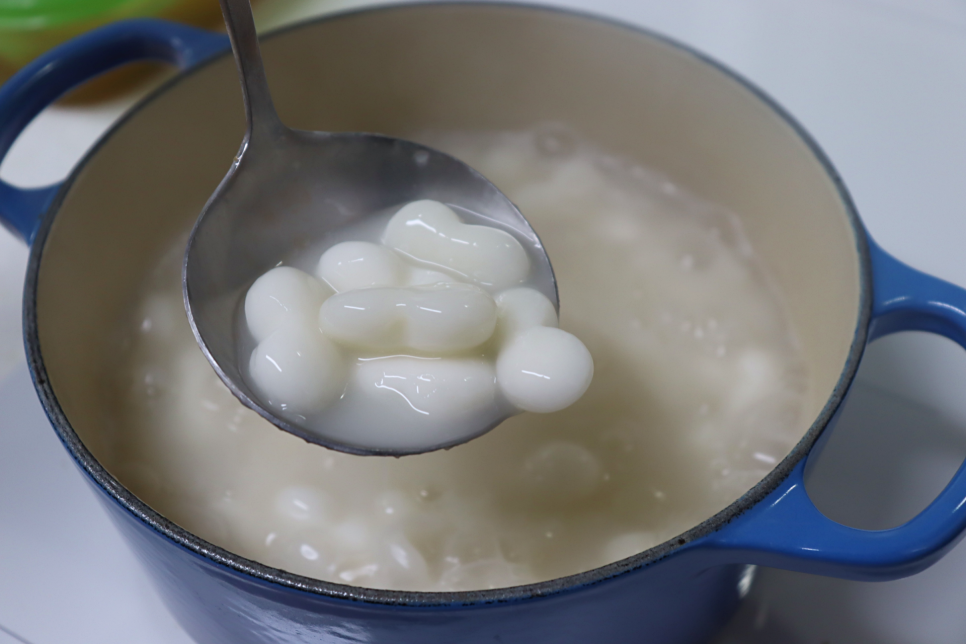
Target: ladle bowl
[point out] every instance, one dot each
(288, 188)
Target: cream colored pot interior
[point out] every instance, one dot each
(461, 67)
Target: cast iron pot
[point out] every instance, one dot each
(467, 66)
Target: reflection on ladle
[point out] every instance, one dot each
(288, 187)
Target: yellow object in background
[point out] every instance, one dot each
(30, 27)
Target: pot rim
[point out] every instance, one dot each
(559, 585)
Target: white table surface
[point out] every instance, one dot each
(881, 84)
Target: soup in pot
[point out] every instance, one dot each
(697, 394)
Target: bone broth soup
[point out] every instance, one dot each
(697, 392)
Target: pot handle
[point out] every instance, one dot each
(66, 66)
(786, 530)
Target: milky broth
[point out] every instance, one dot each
(697, 393)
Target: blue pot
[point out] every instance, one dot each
(467, 66)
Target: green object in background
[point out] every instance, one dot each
(30, 27)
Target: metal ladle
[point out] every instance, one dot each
(289, 186)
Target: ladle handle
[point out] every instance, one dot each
(53, 74)
(263, 122)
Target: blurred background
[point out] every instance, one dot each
(881, 85)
